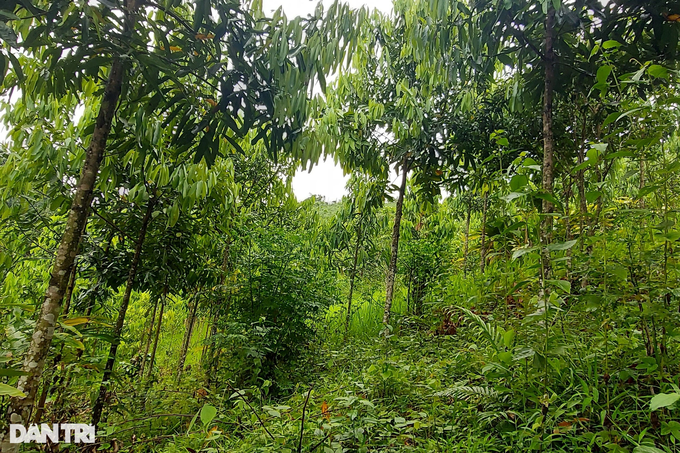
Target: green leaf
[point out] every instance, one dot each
(322, 78)
(193, 421)
(512, 195)
(611, 118)
(173, 215)
(629, 112)
(508, 338)
(10, 372)
(505, 59)
(610, 44)
(7, 34)
(208, 413)
(582, 166)
(561, 246)
(672, 427)
(603, 73)
(3, 68)
(647, 449)
(672, 236)
(658, 71)
(663, 400)
(517, 182)
(505, 357)
(548, 197)
(8, 390)
(646, 190)
(8, 15)
(17, 68)
(619, 154)
(523, 251)
(564, 285)
(593, 195)
(539, 361)
(596, 49)
(599, 147)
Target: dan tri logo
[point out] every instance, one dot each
(72, 433)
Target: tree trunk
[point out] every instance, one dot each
(567, 184)
(118, 330)
(52, 377)
(392, 270)
(352, 277)
(148, 337)
(482, 253)
(467, 237)
(642, 180)
(34, 361)
(158, 332)
(209, 329)
(212, 360)
(548, 137)
(581, 184)
(187, 339)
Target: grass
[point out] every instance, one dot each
(366, 317)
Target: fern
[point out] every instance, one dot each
(490, 332)
(468, 393)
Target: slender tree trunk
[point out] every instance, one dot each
(69, 290)
(210, 358)
(52, 376)
(408, 292)
(187, 339)
(642, 180)
(548, 137)
(568, 183)
(482, 253)
(148, 337)
(392, 269)
(212, 361)
(58, 401)
(352, 277)
(118, 330)
(209, 327)
(600, 175)
(467, 237)
(157, 335)
(581, 183)
(34, 360)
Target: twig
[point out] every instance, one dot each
(171, 14)
(317, 445)
(110, 223)
(252, 409)
(302, 422)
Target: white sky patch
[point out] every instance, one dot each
(326, 178)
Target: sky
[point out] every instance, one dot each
(326, 178)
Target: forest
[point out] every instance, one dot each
(502, 274)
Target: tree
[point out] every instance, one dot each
(394, 102)
(353, 227)
(238, 111)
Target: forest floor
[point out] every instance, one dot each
(423, 388)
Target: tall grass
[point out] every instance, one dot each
(366, 317)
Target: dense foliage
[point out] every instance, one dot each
(515, 287)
